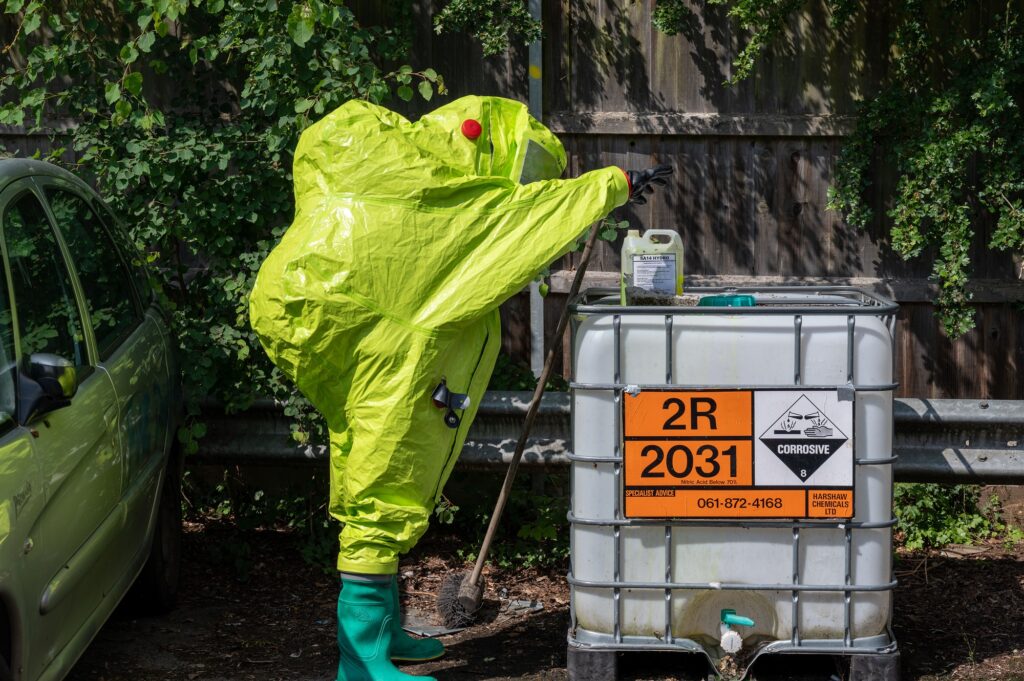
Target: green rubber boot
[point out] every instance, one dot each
(365, 615)
(405, 648)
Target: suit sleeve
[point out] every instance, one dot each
(509, 241)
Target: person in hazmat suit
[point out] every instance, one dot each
(381, 304)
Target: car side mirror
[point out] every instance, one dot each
(47, 383)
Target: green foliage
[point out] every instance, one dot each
(445, 511)
(950, 124)
(610, 228)
(493, 22)
(947, 120)
(671, 16)
(186, 112)
(299, 509)
(762, 23)
(511, 375)
(932, 515)
(534, 531)
(765, 21)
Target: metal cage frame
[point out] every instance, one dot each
(814, 301)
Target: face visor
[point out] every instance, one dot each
(535, 163)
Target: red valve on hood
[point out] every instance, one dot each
(471, 129)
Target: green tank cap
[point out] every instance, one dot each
(730, 617)
(726, 301)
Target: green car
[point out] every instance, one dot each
(89, 403)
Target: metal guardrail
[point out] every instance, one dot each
(955, 441)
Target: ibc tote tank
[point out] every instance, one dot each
(733, 460)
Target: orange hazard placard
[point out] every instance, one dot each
(715, 503)
(656, 413)
(694, 454)
(830, 503)
(670, 463)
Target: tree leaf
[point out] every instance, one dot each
(14, 6)
(430, 74)
(129, 53)
(112, 93)
(405, 92)
(146, 41)
(133, 83)
(426, 90)
(303, 105)
(300, 25)
(32, 22)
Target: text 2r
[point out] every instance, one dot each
(700, 407)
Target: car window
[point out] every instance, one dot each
(105, 278)
(8, 362)
(47, 315)
(134, 256)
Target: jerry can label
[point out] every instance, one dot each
(655, 272)
(761, 453)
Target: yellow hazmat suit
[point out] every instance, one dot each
(407, 237)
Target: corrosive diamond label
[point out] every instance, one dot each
(808, 433)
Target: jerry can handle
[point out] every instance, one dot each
(668, 234)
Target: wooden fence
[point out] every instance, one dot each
(753, 164)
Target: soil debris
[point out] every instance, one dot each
(264, 614)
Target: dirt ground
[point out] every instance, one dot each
(959, 615)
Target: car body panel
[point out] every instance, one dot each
(21, 498)
(80, 486)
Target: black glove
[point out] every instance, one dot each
(643, 181)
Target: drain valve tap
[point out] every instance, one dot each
(731, 640)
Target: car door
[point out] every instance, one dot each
(21, 488)
(76, 446)
(132, 351)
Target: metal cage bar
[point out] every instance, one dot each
(822, 524)
(669, 370)
(731, 586)
(668, 580)
(796, 588)
(629, 387)
(848, 593)
(617, 529)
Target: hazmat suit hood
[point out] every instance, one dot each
(508, 137)
(406, 239)
(455, 145)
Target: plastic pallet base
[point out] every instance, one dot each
(878, 667)
(603, 665)
(592, 665)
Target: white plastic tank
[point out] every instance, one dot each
(830, 577)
